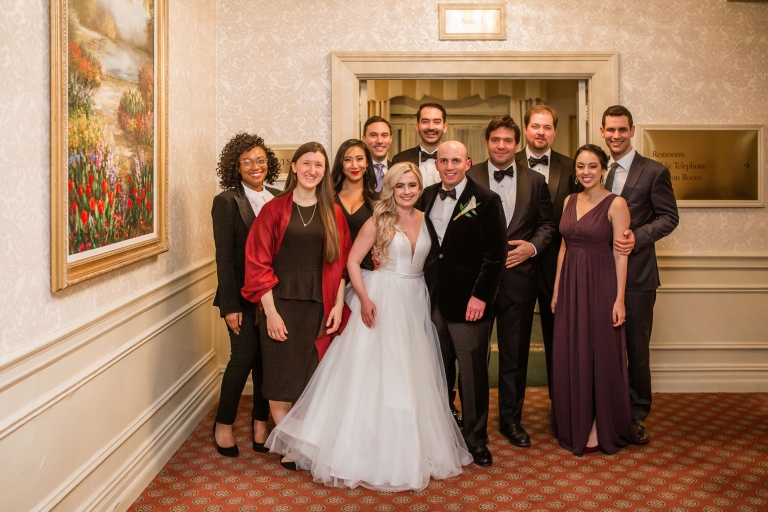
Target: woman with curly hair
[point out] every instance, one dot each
(375, 412)
(294, 259)
(245, 164)
(354, 182)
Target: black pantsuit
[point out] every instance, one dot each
(232, 216)
(244, 358)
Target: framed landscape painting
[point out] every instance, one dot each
(108, 135)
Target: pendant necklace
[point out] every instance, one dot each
(302, 217)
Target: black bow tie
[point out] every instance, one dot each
(533, 162)
(499, 175)
(426, 156)
(447, 193)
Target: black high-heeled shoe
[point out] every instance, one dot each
(258, 447)
(289, 465)
(232, 451)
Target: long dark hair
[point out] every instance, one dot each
(324, 195)
(369, 178)
(228, 168)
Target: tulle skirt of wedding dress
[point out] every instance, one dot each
(376, 413)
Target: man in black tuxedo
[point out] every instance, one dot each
(529, 225)
(540, 126)
(431, 125)
(466, 226)
(646, 185)
(377, 136)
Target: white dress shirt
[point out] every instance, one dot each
(428, 169)
(620, 174)
(506, 188)
(540, 168)
(443, 209)
(257, 199)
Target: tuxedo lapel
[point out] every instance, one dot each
(554, 175)
(482, 175)
(244, 206)
(429, 196)
(521, 198)
(469, 191)
(633, 175)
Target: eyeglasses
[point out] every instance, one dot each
(248, 163)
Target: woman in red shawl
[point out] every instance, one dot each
(294, 258)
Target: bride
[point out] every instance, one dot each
(374, 413)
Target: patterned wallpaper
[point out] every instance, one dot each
(680, 62)
(29, 312)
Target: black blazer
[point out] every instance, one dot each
(532, 220)
(470, 261)
(409, 155)
(561, 183)
(653, 215)
(232, 218)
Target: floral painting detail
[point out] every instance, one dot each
(110, 122)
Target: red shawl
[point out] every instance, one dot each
(264, 242)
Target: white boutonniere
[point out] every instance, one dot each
(468, 209)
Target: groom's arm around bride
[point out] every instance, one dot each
(468, 231)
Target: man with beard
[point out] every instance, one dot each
(431, 126)
(377, 136)
(540, 126)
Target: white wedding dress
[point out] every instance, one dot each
(376, 413)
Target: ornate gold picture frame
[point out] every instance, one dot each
(109, 135)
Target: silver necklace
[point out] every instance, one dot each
(302, 217)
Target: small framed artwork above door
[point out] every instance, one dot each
(350, 70)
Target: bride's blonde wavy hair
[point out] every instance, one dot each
(384, 213)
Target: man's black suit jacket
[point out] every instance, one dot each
(232, 216)
(532, 220)
(561, 184)
(653, 215)
(471, 258)
(409, 155)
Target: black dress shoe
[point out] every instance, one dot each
(457, 416)
(481, 456)
(642, 433)
(259, 447)
(232, 451)
(289, 465)
(516, 435)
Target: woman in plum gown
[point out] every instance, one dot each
(374, 413)
(590, 386)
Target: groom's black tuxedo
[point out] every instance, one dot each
(467, 264)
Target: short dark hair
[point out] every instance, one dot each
(375, 119)
(618, 111)
(431, 105)
(595, 150)
(540, 109)
(503, 122)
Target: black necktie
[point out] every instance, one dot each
(499, 175)
(533, 162)
(447, 193)
(426, 156)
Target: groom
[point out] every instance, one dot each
(468, 232)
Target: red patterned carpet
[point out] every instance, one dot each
(707, 452)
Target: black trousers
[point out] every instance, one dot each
(639, 306)
(547, 318)
(514, 321)
(244, 358)
(469, 344)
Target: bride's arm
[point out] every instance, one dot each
(362, 246)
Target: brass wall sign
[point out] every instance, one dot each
(472, 21)
(711, 165)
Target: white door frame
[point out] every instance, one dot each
(601, 69)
